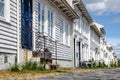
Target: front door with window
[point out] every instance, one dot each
(26, 24)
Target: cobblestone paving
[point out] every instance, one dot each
(113, 74)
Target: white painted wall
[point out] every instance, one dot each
(82, 35)
(94, 43)
(8, 33)
(64, 50)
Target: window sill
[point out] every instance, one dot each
(2, 19)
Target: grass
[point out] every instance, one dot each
(35, 74)
(7, 74)
(29, 74)
(27, 66)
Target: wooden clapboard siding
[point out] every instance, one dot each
(8, 31)
(63, 51)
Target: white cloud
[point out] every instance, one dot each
(92, 1)
(115, 20)
(98, 7)
(113, 6)
(115, 42)
(103, 6)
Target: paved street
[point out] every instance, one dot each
(113, 74)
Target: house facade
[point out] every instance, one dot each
(107, 52)
(81, 34)
(53, 20)
(103, 48)
(23, 22)
(8, 32)
(96, 32)
(109, 56)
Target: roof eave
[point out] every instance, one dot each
(96, 30)
(84, 11)
(103, 30)
(66, 8)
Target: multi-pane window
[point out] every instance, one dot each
(2, 5)
(40, 17)
(80, 22)
(50, 23)
(66, 34)
(61, 30)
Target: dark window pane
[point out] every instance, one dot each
(1, 9)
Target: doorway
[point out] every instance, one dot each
(74, 54)
(79, 47)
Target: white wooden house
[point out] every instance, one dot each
(20, 20)
(96, 32)
(60, 26)
(81, 34)
(8, 32)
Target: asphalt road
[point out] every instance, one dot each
(113, 74)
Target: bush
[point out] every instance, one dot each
(118, 62)
(98, 65)
(94, 65)
(15, 68)
(28, 66)
(102, 65)
(40, 66)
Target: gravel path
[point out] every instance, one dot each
(113, 74)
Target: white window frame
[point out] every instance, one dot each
(61, 29)
(6, 17)
(3, 2)
(50, 23)
(41, 21)
(66, 33)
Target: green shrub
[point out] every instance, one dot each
(28, 66)
(15, 68)
(40, 66)
(102, 65)
(94, 64)
(98, 65)
(118, 62)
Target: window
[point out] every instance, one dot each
(80, 24)
(5, 59)
(2, 8)
(40, 17)
(66, 34)
(61, 30)
(50, 23)
(26, 24)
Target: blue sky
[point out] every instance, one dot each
(107, 13)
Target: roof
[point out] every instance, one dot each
(83, 10)
(99, 29)
(66, 8)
